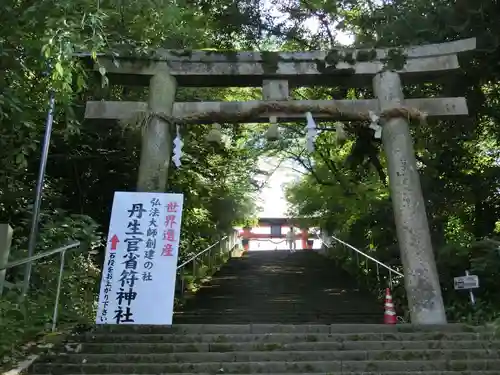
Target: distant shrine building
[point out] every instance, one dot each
(270, 234)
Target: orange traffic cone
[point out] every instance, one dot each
(389, 313)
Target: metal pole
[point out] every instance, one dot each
(182, 284)
(471, 293)
(210, 262)
(58, 292)
(39, 190)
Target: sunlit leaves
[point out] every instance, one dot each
(458, 159)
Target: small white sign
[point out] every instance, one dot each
(138, 276)
(466, 282)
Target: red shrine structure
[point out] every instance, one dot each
(278, 227)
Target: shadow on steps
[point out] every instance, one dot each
(281, 287)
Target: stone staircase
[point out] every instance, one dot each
(284, 305)
(280, 287)
(278, 349)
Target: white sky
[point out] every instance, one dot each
(273, 198)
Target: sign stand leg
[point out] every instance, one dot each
(471, 293)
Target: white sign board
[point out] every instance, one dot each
(466, 282)
(138, 277)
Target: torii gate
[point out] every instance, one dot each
(276, 231)
(276, 71)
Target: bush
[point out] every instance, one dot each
(24, 321)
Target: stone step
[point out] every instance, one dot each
(140, 348)
(267, 300)
(355, 373)
(342, 293)
(277, 319)
(277, 356)
(268, 367)
(264, 289)
(363, 320)
(284, 318)
(289, 312)
(280, 337)
(286, 328)
(288, 309)
(300, 282)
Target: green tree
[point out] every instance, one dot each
(88, 161)
(458, 159)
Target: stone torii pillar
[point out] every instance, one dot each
(421, 277)
(156, 150)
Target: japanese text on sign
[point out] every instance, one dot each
(466, 282)
(141, 259)
(169, 230)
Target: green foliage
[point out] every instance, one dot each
(457, 160)
(481, 258)
(21, 321)
(88, 161)
(345, 184)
